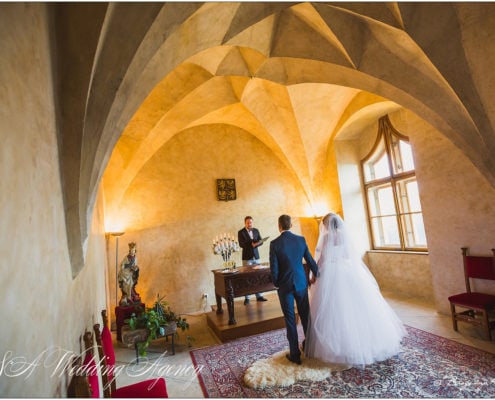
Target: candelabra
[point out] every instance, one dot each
(225, 245)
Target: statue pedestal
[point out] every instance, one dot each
(124, 312)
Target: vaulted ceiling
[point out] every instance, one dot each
(295, 75)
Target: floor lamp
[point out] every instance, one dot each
(116, 235)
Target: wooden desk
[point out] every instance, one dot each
(247, 280)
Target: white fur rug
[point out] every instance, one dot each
(278, 371)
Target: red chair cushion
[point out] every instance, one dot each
(155, 388)
(108, 351)
(474, 300)
(92, 374)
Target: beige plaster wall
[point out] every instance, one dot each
(457, 204)
(173, 214)
(457, 207)
(44, 311)
(457, 210)
(347, 154)
(407, 274)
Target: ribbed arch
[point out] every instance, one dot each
(173, 53)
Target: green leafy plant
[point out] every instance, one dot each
(155, 319)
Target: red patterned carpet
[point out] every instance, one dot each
(428, 366)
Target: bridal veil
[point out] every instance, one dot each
(350, 321)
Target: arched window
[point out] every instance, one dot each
(392, 196)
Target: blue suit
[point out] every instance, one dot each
(288, 275)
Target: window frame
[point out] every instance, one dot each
(394, 180)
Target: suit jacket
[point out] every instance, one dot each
(248, 251)
(286, 266)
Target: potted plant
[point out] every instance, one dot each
(155, 320)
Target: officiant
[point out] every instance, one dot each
(249, 239)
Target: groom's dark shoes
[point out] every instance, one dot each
(261, 299)
(295, 360)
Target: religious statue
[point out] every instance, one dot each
(128, 277)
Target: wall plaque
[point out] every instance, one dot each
(226, 189)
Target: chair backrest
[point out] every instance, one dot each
(107, 356)
(478, 267)
(103, 362)
(90, 367)
(107, 341)
(79, 385)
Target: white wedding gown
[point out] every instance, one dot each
(350, 322)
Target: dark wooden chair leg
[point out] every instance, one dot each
(486, 324)
(454, 320)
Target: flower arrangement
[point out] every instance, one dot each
(155, 320)
(225, 245)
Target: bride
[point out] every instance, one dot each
(350, 321)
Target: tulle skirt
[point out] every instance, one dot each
(350, 322)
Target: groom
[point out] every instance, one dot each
(288, 275)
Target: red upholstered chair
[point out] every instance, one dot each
(78, 385)
(90, 367)
(149, 388)
(477, 306)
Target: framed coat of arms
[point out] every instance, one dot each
(226, 189)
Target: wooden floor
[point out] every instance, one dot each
(256, 317)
